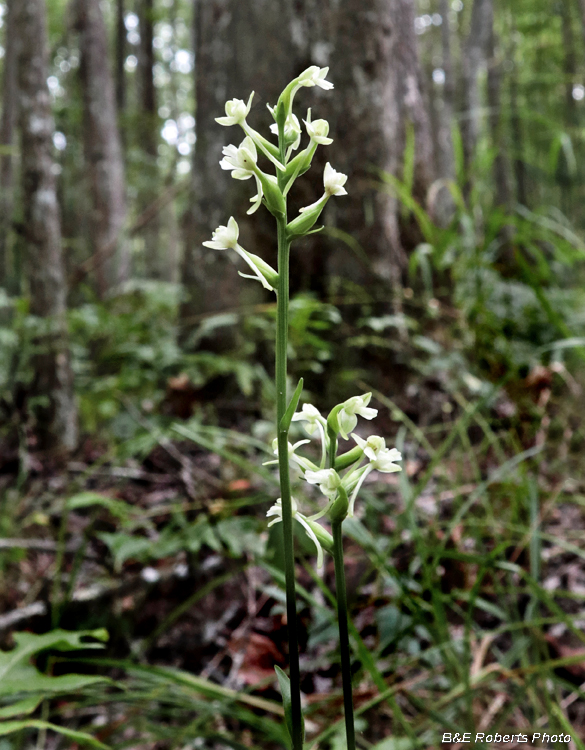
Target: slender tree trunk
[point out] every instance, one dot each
(120, 56)
(102, 146)
(516, 131)
(501, 167)
(474, 59)
(57, 421)
(444, 205)
(148, 133)
(7, 126)
(238, 47)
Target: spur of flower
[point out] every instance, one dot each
(226, 238)
(320, 536)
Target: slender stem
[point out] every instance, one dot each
(287, 520)
(332, 446)
(343, 633)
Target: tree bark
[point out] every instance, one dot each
(501, 167)
(444, 106)
(7, 126)
(238, 47)
(120, 56)
(475, 57)
(57, 420)
(148, 134)
(371, 48)
(102, 147)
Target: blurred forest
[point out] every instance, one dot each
(141, 595)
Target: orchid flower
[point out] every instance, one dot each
(344, 418)
(381, 459)
(313, 420)
(226, 238)
(318, 130)
(299, 461)
(276, 511)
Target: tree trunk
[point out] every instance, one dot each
(238, 47)
(7, 125)
(103, 150)
(57, 420)
(474, 58)
(501, 167)
(148, 134)
(371, 48)
(120, 56)
(444, 205)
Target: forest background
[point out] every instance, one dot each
(136, 396)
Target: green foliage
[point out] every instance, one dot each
(23, 686)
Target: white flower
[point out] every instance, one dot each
(381, 458)
(292, 131)
(236, 111)
(302, 463)
(240, 160)
(276, 511)
(225, 238)
(315, 76)
(312, 416)
(314, 422)
(334, 181)
(351, 409)
(328, 480)
(318, 130)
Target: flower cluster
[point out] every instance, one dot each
(271, 189)
(340, 491)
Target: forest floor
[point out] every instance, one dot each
(466, 576)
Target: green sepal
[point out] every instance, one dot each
(284, 683)
(284, 425)
(340, 507)
(349, 458)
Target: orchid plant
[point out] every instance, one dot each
(339, 477)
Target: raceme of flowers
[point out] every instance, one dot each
(271, 189)
(336, 487)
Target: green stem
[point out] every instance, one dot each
(283, 465)
(331, 447)
(343, 633)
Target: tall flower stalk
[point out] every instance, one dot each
(340, 491)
